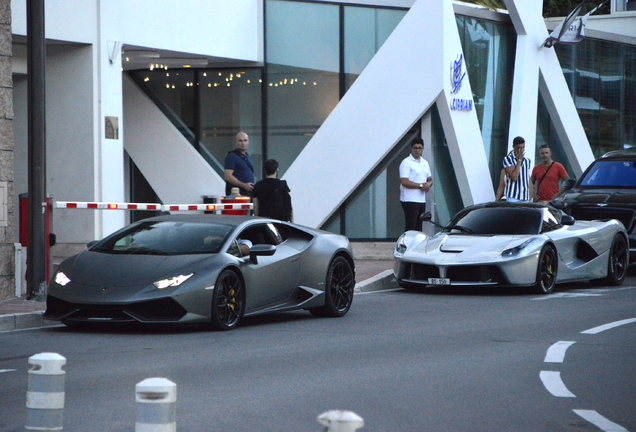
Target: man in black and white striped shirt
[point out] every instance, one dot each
(518, 169)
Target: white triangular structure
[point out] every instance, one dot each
(538, 68)
(410, 73)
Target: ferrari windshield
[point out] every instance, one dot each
(166, 238)
(497, 220)
(610, 173)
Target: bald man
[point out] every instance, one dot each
(239, 169)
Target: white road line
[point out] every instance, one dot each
(600, 421)
(552, 382)
(556, 353)
(377, 292)
(594, 292)
(611, 325)
(7, 370)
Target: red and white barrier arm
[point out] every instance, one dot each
(158, 207)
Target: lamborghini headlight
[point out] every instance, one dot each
(517, 249)
(61, 279)
(400, 246)
(172, 282)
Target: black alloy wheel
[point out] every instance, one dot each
(338, 291)
(618, 261)
(228, 301)
(546, 270)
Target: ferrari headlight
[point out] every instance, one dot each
(515, 250)
(400, 246)
(172, 282)
(61, 279)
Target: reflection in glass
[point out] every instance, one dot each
(303, 62)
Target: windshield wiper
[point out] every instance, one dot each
(460, 228)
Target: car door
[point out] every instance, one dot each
(272, 279)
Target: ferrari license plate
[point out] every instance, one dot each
(439, 281)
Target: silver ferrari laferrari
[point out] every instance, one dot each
(203, 269)
(506, 244)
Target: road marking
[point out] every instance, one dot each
(594, 292)
(556, 353)
(611, 325)
(7, 370)
(599, 421)
(552, 382)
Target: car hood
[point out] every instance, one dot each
(456, 248)
(601, 196)
(101, 269)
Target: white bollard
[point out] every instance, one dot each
(45, 394)
(340, 421)
(156, 405)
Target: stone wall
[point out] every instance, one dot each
(7, 236)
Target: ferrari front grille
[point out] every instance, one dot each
(475, 273)
(626, 216)
(420, 271)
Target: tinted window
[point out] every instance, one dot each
(166, 238)
(611, 173)
(498, 220)
(550, 221)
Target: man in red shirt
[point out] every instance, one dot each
(548, 174)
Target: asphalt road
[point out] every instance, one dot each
(441, 360)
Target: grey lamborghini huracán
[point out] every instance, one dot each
(505, 244)
(196, 269)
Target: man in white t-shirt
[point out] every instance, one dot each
(415, 180)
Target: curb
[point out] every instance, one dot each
(22, 321)
(381, 281)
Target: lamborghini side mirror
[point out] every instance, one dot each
(425, 217)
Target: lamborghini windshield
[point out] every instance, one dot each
(496, 220)
(166, 238)
(610, 173)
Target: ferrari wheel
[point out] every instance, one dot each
(228, 301)
(618, 261)
(546, 270)
(338, 291)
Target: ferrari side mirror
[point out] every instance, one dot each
(567, 220)
(426, 217)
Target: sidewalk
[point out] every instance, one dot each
(20, 313)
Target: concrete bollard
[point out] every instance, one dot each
(45, 394)
(340, 421)
(156, 405)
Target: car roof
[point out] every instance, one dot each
(620, 154)
(504, 204)
(233, 220)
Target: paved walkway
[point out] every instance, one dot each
(20, 313)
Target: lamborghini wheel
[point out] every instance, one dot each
(546, 270)
(338, 290)
(618, 262)
(228, 301)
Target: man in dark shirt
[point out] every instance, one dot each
(264, 196)
(239, 169)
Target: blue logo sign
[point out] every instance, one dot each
(457, 76)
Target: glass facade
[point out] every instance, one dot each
(210, 106)
(489, 52)
(602, 79)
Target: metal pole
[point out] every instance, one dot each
(36, 59)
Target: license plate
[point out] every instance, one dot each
(439, 281)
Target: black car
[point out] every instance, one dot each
(606, 190)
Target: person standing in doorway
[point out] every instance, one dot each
(517, 168)
(239, 169)
(415, 180)
(548, 174)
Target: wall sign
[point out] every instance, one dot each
(457, 76)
